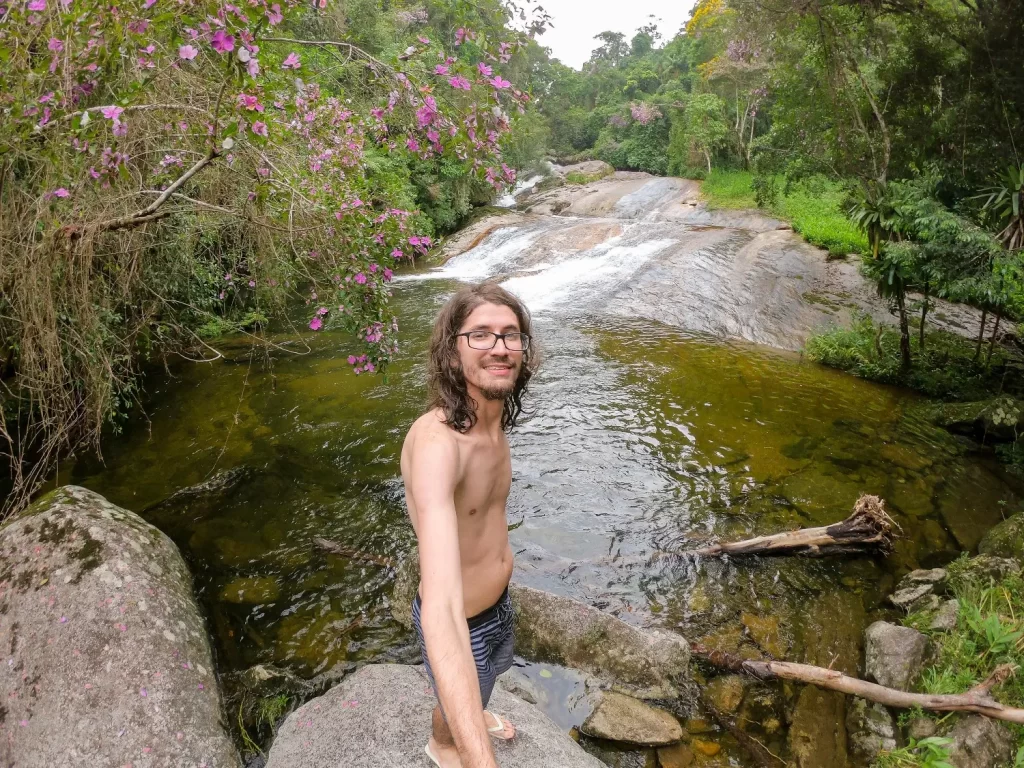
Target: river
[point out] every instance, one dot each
(643, 435)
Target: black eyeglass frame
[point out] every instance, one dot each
(498, 336)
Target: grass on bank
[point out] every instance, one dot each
(813, 207)
(989, 633)
(945, 370)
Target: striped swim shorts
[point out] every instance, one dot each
(491, 637)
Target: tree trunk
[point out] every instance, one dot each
(707, 156)
(924, 315)
(868, 528)
(905, 359)
(981, 334)
(992, 341)
(978, 699)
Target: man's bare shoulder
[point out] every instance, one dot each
(430, 430)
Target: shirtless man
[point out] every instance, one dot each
(457, 472)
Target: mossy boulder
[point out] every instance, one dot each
(1001, 418)
(1006, 539)
(108, 658)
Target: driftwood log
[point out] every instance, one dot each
(978, 699)
(867, 529)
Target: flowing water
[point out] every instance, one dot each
(643, 437)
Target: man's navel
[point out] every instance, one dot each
(472, 511)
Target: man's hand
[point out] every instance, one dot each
(431, 485)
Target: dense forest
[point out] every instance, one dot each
(169, 172)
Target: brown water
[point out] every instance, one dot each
(642, 438)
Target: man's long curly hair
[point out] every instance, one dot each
(446, 381)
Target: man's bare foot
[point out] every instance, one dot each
(445, 757)
(493, 721)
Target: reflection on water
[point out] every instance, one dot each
(641, 439)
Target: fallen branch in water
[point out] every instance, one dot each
(978, 699)
(867, 528)
(354, 554)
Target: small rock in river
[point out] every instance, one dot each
(725, 692)
(618, 717)
(709, 748)
(676, 756)
(765, 632)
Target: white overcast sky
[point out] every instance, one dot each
(577, 21)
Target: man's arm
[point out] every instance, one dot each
(433, 471)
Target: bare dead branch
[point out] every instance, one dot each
(978, 699)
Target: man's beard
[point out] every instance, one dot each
(500, 391)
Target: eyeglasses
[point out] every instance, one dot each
(514, 342)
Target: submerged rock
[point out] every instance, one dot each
(725, 693)
(108, 658)
(979, 742)
(870, 728)
(618, 717)
(1006, 539)
(817, 735)
(379, 717)
(893, 655)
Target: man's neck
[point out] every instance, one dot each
(488, 412)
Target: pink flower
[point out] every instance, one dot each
(149, 3)
(112, 113)
(388, 274)
(460, 82)
(497, 82)
(351, 359)
(369, 368)
(412, 144)
(259, 128)
(274, 15)
(252, 283)
(120, 129)
(322, 311)
(291, 61)
(60, 192)
(356, 203)
(46, 97)
(316, 324)
(484, 69)
(253, 67)
(188, 52)
(37, 5)
(360, 278)
(56, 45)
(397, 253)
(424, 40)
(222, 42)
(440, 69)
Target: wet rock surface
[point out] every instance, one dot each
(379, 717)
(108, 661)
(893, 655)
(622, 718)
(656, 251)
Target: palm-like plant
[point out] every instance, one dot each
(872, 211)
(1005, 201)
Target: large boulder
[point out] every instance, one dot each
(379, 717)
(108, 661)
(979, 742)
(893, 655)
(622, 718)
(640, 662)
(1006, 539)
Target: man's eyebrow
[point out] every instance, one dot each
(485, 327)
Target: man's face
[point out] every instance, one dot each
(492, 371)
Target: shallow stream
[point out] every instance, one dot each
(642, 438)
